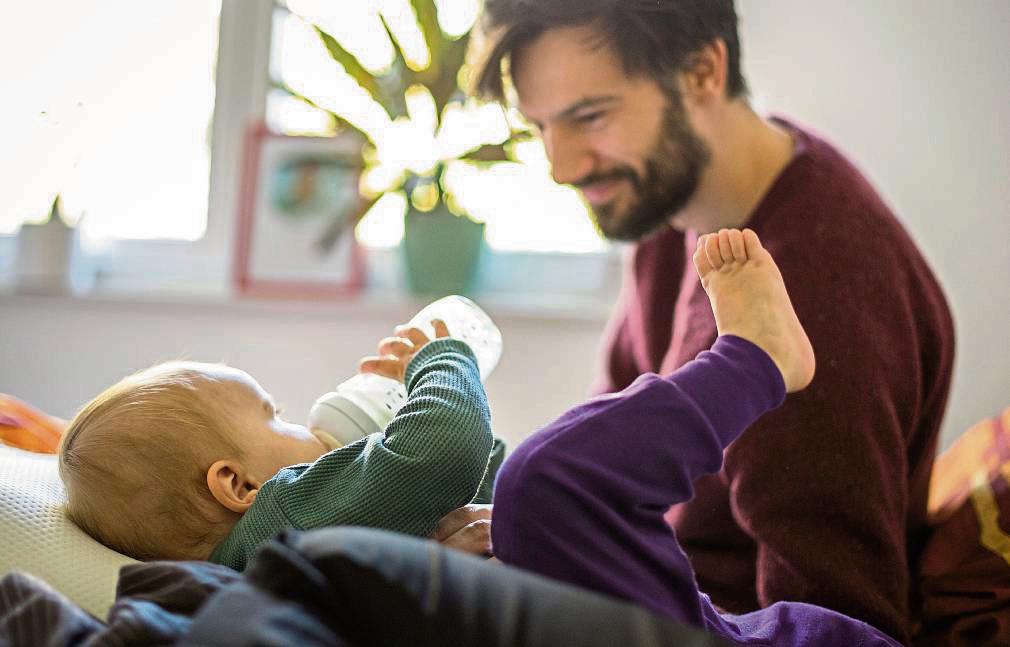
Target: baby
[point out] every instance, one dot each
(192, 461)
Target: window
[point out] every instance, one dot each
(523, 208)
(110, 105)
(137, 113)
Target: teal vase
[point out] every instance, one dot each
(442, 252)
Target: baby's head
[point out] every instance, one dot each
(162, 464)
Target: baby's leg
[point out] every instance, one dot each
(749, 300)
(583, 499)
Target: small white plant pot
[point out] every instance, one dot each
(42, 257)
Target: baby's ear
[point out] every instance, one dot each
(231, 485)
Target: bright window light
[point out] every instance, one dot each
(110, 105)
(303, 64)
(355, 24)
(297, 117)
(382, 226)
(455, 17)
(523, 208)
(403, 23)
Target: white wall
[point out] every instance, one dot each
(918, 93)
(57, 353)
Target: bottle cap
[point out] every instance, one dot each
(340, 419)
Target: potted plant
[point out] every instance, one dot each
(43, 253)
(442, 244)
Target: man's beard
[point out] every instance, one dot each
(672, 173)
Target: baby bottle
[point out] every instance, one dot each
(366, 403)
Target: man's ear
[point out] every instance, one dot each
(706, 72)
(232, 486)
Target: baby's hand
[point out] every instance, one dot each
(394, 353)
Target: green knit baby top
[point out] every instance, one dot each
(430, 460)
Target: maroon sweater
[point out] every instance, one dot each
(823, 500)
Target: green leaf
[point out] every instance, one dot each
(386, 89)
(427, 20)
(339, 123)
(446, 56)
(54, 211)
(350, 63)
(516, 136)
(406, 75)
(399, 56)
(335, 231)
(445, 83)
(487, 153)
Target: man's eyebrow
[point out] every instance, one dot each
(582, 104)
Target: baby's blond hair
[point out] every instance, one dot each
(134, 462)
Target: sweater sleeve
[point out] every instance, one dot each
(429, 461)
(494, 462)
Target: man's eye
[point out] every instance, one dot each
(589, 118)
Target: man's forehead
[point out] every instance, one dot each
(562, 67)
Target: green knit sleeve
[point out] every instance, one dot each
(486, 490)
(430, 460)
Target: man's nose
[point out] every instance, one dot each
(570, 159)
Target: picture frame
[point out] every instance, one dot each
(298, 206)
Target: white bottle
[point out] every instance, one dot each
(366, 403)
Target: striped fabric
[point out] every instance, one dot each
(964, 570)
(979, 452)
(430, 460)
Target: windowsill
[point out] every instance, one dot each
(385, 305)
(533, 286)
(572, 294)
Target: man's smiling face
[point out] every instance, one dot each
(623, 141)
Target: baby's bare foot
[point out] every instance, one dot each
(750, 300)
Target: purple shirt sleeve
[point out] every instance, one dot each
(631, 454)
(582, 500)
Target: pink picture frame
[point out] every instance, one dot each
(297, 193)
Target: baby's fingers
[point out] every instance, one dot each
(384, 366)
(396, 346)
(441, 330)
(416, 336)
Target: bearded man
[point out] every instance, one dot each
(642, 106)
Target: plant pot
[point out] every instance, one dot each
(441, 252)
(42, 256)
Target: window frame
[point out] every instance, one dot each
(204, 267)
(241, 81)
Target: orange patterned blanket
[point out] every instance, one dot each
(25, 427)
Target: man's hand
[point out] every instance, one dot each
(467, 529)
(394, 353)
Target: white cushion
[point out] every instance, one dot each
(37, 537)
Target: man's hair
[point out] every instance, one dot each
(653, 38)
(134, 462)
